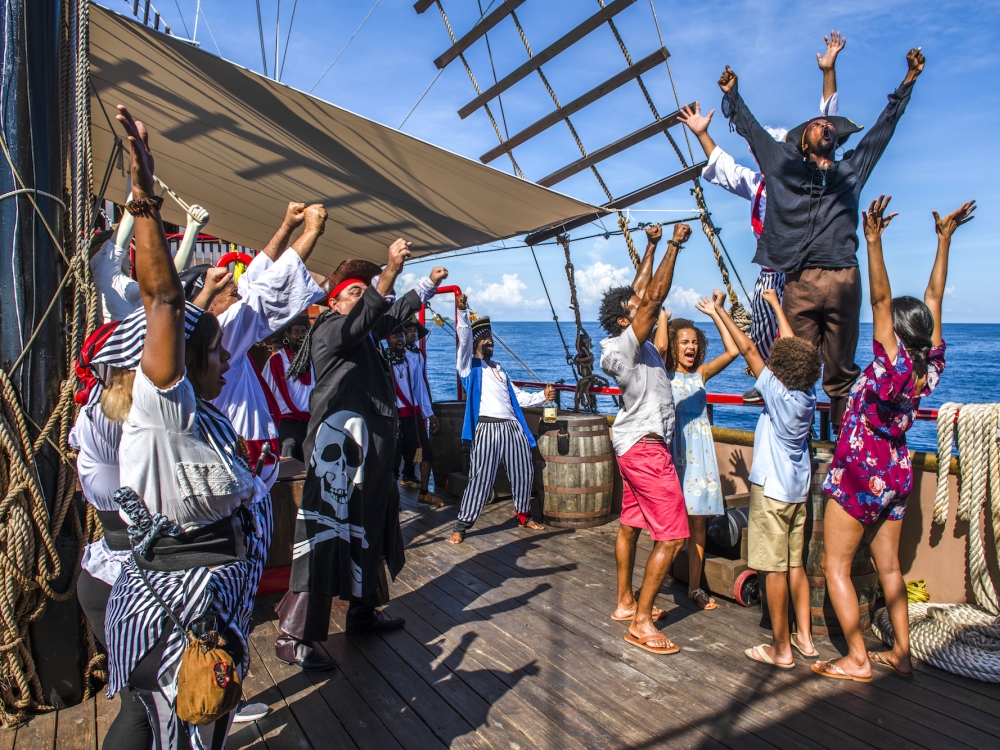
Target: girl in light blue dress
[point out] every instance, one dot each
(683, 347)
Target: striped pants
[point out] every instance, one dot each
(494, 442)
(764, 324)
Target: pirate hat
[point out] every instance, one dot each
(193, 279)
(845, 129)
(481, 329)
(347, 273)
(412, 322)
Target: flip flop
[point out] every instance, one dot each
(658, 614)
(821, 667)
(876, 658)
(798, 648)
(697, 595)
(644, 641)
(764, 658)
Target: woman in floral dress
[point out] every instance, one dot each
(871, 475)
(683, 347)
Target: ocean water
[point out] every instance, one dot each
(973, 351)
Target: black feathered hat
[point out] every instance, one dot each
(481, 329)
(412, 322)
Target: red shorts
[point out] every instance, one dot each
(651, 492)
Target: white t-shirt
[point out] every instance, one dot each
(169, 464)
(646, 393)
(780, 451)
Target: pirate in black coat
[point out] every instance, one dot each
(347, 531)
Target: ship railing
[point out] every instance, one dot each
(729, 399)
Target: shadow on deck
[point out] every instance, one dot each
(508, 644)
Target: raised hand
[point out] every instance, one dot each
(727, 80)
(706, 305)
(216, 279)
(399, 253)
(719, 300)
(141, 158)
(874, 220)
(438, 274)
(962, 215)
(771, 297)
(914, 64)
(834, 44)
(315, 218)
(462, 301)
(434, 425)
(654, 232)
(682, 233)
(696, 122)
(295, 214)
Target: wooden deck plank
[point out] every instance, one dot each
(37, 734)
(76, 727)
(7, 738)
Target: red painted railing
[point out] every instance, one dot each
(726, 399)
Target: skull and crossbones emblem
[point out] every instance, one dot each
(338, 459)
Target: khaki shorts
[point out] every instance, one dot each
(776, 533)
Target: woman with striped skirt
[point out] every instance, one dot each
(199, 520)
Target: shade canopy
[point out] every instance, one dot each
(243, 145)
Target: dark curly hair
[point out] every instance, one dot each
(613, 307)
(795, 362)
(203, 338)
(683, 324)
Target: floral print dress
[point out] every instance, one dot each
(871, 474)
(693, 447)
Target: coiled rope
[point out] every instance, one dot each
(963, 638)
(29, 560)
(584, 359)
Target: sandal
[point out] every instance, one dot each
(764, 658)
(702, 599)
(822, 669)
(797, 647)
(876, 658)
(428, 498)
(643, 643)
(657, 613)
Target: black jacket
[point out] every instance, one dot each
(349, 517)
(812, 215)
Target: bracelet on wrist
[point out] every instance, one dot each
(675, 243)
(144, 206)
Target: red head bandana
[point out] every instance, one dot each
(341, 287)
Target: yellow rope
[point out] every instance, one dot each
(916, 592)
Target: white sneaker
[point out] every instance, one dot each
(250, 712)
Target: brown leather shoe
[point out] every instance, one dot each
(428, 498)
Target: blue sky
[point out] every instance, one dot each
(945, 150)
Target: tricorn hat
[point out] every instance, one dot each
(845, 129)
(412, 322)
(347, 273)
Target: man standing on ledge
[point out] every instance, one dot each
(494, 425)
(812, 219)
(347, 532)
(651, 492)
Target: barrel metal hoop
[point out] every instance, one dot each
(604, 457)
(579, 490)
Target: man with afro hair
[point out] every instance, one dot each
(651, 493)
(780, 480)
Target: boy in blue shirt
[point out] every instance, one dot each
(780, 481)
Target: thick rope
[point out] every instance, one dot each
(963, 638)
(29, 561)
(583, 362)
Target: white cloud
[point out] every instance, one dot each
(405, 282)
(508, 294)
(594, 280)
(681, 300)
(949, 290)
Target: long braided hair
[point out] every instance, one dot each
(303, 357)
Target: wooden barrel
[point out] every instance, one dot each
(447, 441)
(578, 480)
(863, 574)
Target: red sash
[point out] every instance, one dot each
(755, 221)
(407, 409)
(272, 405)
(277, 365)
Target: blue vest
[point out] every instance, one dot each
(473, 384)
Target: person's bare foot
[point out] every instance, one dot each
(900, 664)
(776, 656)
(625, 610)
(529, 524)
(645, 629)
(854, 670)
(457, 537)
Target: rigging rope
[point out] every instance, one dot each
(583, 362)
(963, 638)
(29, 560)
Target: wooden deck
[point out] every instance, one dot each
(508, 644)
